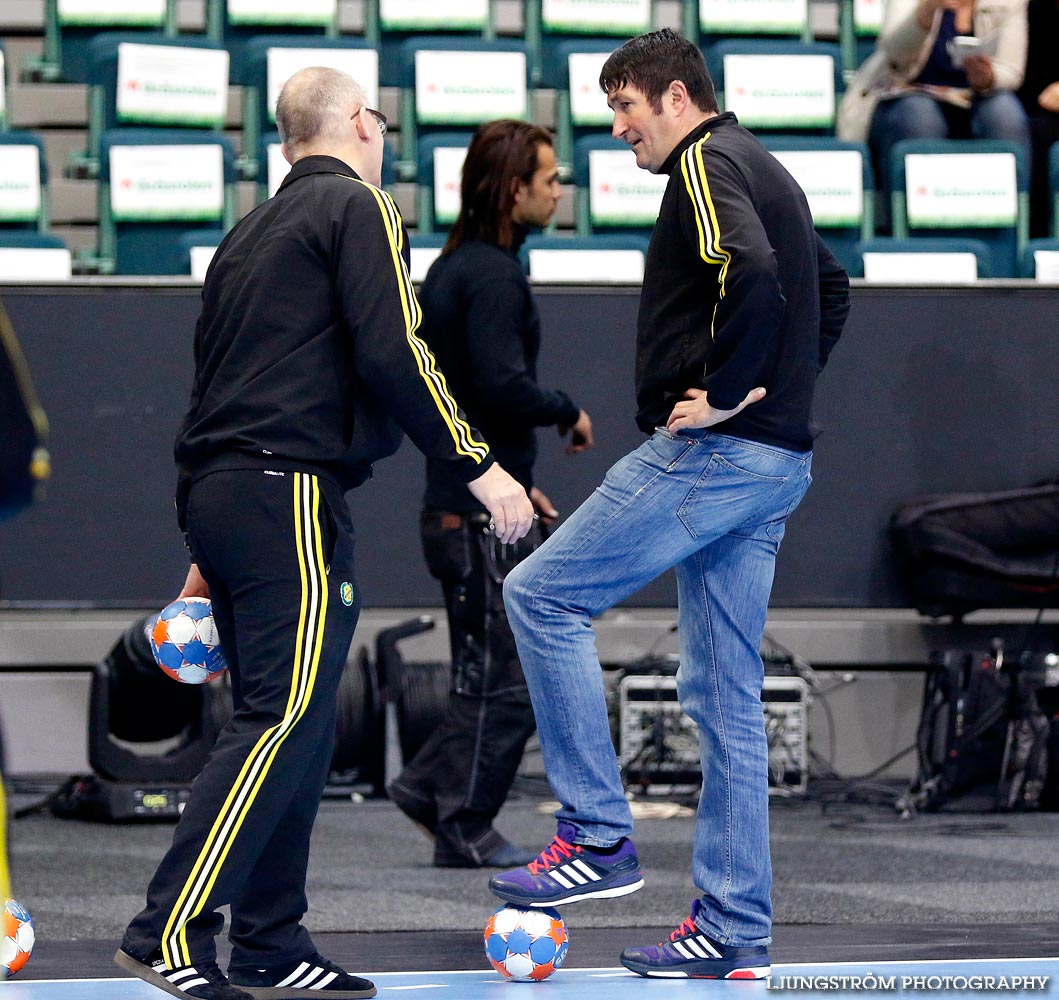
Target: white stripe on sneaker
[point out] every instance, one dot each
(679, 946)
(558, 876)
(322, 984)
(705, 942)
(296, 974)
(571, 872)
(194, 982)
(308, 979)
(586, 869)
(694, 946)
(177, 974)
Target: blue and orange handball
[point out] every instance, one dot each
(17, 940)
(525, 945)
(185, 642)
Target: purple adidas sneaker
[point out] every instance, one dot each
(565, 872)
(690, 954)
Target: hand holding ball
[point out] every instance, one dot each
(185, 641)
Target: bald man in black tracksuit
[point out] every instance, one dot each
(305, 347)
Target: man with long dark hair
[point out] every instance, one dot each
(740, 307)
(481, 322)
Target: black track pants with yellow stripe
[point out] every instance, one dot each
(277, 552)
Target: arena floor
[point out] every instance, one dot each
(1029, 976)
(857, 890)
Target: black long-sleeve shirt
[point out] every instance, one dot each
(739, 290)
(481, 322)
(307, 343)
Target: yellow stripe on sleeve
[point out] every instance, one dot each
(462, 433)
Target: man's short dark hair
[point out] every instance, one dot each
(502, 154)
(651, 62)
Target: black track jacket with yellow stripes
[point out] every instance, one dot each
(307, 341)
(738, 290)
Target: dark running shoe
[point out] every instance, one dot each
(498, 854)
(565, 872)
(201, 981)
(690, 954)
(315, 976)
(421, 811)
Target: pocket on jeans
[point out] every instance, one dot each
(727, 495)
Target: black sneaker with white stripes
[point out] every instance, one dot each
(314, 976)
(690, 954)
(203, 981)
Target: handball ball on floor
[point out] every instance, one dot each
(17, 941)
(185, 641)
(525, 945)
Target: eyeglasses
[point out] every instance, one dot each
(379, 117)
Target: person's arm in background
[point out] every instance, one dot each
(1008, 69)
(907, 24)
(496, 314)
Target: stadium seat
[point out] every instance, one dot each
(24, 193)
(971, 189)
(451, 83)
(1040, 261)
(839, 185)
(155, 185)
(859, 24)
(233, 23)
(391, 23)
(3, 88)
(612, 193)
(922, 261)
(707, 22)
(425, 248)
(778, 84)
(439, 168)
(551, 25)
(33, 256)
(144, 80)
(590, 260)
(198, 247)
(580, 106)
(270, 60)
(70, 25)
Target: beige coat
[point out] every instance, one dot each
(904, 47)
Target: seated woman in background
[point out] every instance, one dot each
(1040, 97)
(930, 86)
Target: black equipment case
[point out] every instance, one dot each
(962, 551)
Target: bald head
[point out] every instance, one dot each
(314, 108)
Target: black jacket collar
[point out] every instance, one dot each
(724, 118)
(318, 165)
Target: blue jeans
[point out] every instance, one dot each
(714, 507)
(998, 115)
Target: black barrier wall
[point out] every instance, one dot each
(929, 391)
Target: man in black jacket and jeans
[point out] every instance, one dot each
(481, 322)
(740, 307)
(305, 346)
